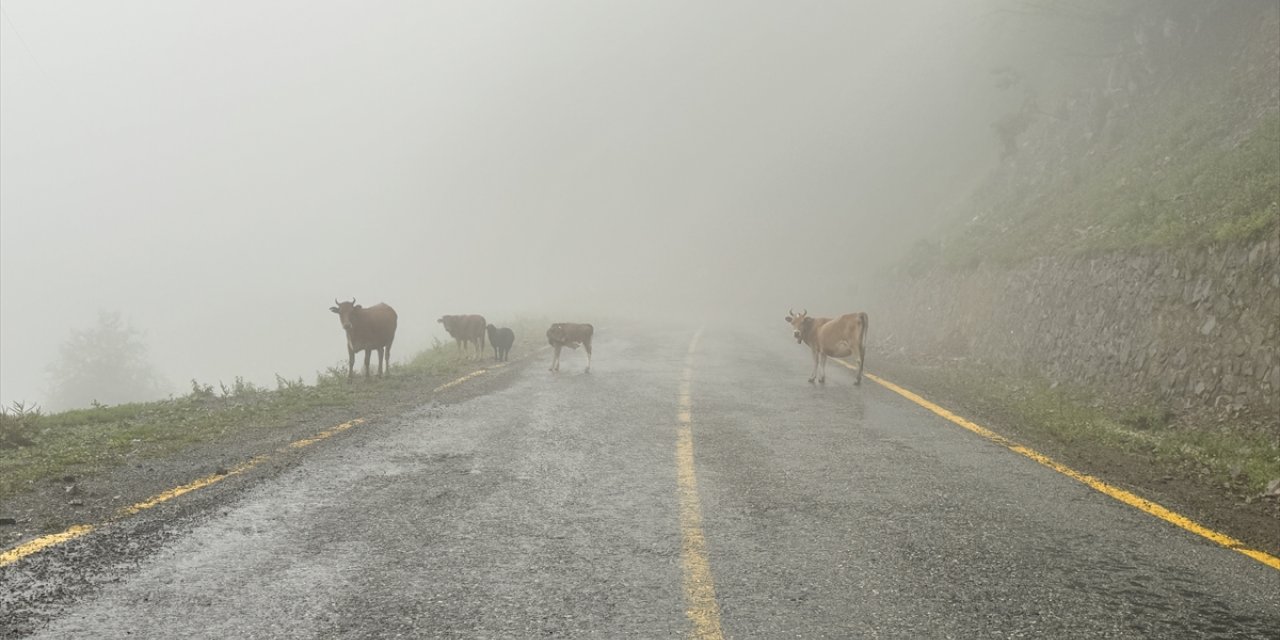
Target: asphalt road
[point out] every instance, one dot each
(549, 505)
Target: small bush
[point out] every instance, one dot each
(18, 423)
(200, 392)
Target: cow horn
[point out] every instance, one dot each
(805, 312)
(353, 302)
(791, 312)
(336, 303)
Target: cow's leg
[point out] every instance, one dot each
(555, 359)
(814, 376)
(862, 363)
(351, 361)
(822, 377)
(367, 353)
(381, 359)
(587, 344)
(388, 348)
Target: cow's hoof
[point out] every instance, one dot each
(822, 380)
(858, 382)
(810, 380)
(587, 370)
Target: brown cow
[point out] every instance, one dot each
(840, 338)
(570, 334)
(367, 330)
(468, 329)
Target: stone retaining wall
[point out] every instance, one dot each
(1193, 330)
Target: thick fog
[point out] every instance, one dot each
(219, 172)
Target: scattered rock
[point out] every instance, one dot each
(5, 522)
(1208, 326)
(76, 503)
(1273, 488)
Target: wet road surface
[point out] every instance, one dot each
(551, 506)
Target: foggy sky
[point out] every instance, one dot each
(220, 172)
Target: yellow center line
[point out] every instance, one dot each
(702, 608)
(1137, 502)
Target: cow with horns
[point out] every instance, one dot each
(367, 330)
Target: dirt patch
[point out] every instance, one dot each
(1224, 502)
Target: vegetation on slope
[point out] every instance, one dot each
(1171, 142)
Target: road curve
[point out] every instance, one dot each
(555, 506)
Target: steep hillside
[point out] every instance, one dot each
(1114, 283)
(1154, 127)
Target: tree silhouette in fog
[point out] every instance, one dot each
(105, 364)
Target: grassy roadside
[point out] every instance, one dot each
(1223, 476)
(1242, 459)
(36, 447)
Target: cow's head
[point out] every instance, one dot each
(345, 311)
(447, 321)
(558, 333)
(800, 323)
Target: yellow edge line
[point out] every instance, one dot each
(700, 590)
(27, 548)
(1137, 502)
(35, 545)
(298, 444)
(454, 383)
(166, 496)
(75, 531)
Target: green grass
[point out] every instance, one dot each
(36, 447)
(1191, 163)
(1243, 457)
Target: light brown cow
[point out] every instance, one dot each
(570, 334)
(466, 329)
(372, 329)
(840, 338)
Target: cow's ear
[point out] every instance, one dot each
(359, 307)
(788, 319)
(808, 322)
(333, 309)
